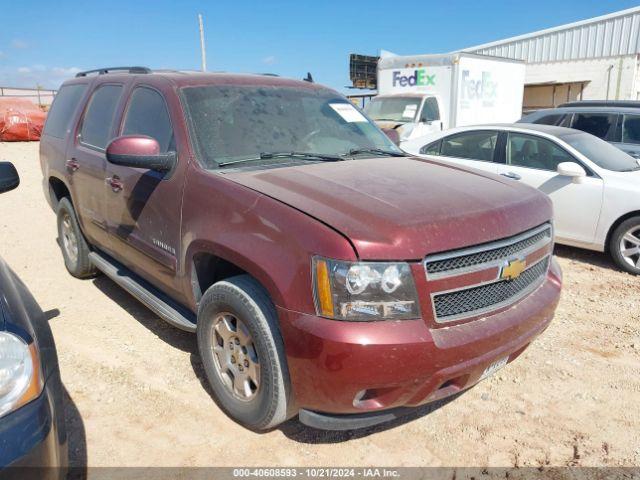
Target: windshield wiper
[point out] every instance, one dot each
(300, 155)
(376, 151)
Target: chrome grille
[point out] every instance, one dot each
(450, 306)
(488, 255)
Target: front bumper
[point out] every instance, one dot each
(31, 443)
(342, 368)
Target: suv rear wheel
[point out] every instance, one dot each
(242, 352)
(625, 245)
(75, 249)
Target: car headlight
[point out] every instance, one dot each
(20, 380)
(363, 291)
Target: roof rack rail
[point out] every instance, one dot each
(602, 103)
(102, 71)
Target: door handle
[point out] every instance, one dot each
(512, 175)
(115, 183)
(72, 165)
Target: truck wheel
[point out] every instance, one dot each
(242, 352)
(625, 245)
(75, 249)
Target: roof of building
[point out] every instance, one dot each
(611, 35)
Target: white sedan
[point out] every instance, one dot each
(595, 188)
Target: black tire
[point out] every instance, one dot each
(79, 264)
(245, 299)
(631, 226)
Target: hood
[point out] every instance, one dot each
(404, 208)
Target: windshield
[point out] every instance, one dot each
(235, 123)
(397, 109)
(600, 152)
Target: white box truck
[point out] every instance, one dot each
(420, 94)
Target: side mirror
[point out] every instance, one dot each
(425, 118)
(571, 169)
(9, 178)
(139, 151)
(393, 135)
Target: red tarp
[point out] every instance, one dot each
(20, 120)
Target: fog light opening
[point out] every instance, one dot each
(375, 398)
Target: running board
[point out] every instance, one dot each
(151, 297)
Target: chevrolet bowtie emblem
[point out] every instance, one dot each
(513, 269)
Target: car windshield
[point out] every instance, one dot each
(396, 109)
(237, 124)
(600, 152)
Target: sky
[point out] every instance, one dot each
(45, 42)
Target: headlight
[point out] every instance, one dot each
(364, 291)
(20, 380)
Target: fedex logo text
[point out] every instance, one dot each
(419, 78)
(482, 88)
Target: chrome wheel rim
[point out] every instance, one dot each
(69, 240)
(235, 356)
(630, 247)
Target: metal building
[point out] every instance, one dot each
(593, 59)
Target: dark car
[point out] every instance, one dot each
(32, 424)
(615, 121)
(326, 273)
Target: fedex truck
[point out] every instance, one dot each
(421, 94)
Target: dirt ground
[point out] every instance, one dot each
(137, 394)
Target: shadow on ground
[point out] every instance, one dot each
(597, 259)
(175, 337)
(296, 431)
(76, 439)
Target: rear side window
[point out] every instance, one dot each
(631, 129)
(471, 145)
(98, 119)
(553, 119)
(62, 110)
(602, 125)
(432, 148)
(147, 115)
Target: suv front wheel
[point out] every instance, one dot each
(242, 352)
(75, 249)
(625, 245)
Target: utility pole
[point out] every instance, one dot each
(202, 49)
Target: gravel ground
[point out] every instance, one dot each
(137, 394)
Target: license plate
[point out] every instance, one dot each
(494, 367)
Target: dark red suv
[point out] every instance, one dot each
(326, 273)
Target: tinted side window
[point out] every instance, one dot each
(566, 120)
(631, 129)
(62, 110)
(535, 152)
(432, 148)
(601, 125)
(472, 145)
(147, 115)
(553, 119)
(430, 111)
(96, 126)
